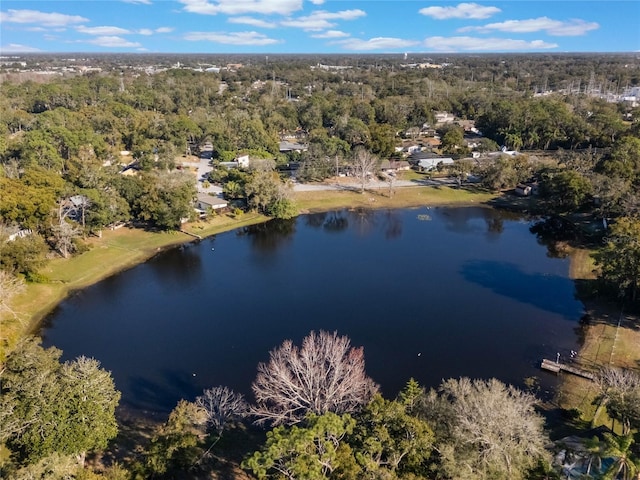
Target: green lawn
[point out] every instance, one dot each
(402, 197)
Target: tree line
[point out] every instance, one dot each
(322, 417)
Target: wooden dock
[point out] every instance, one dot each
(556, 367)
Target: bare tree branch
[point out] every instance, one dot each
(324, 375)
(10, 286)
(222, 406)
(364, 166)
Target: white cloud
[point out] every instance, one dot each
(232, 38)
(17, 48)
(377, 43)
(238, 7)
(42, 18)
(145, 31)
(573, 28)
(254, 22)
(552, 27)
(322, 20)
(476, 44)
(104, 30)
(164, 30)
(308, 23)
(331, 34)
(317, 2)
(113, 42)
(462, 10)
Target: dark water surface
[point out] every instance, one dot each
(430, 294)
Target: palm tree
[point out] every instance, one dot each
(625, 466)
(595, 448)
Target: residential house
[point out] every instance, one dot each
(389, 166)
(242, 161)
(206, 202)
(427, 161)
(412, 148)
(430, 164)
(433, 142)
(287, 146)
(444, 117)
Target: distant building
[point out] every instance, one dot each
(444, 117)
(286, 146)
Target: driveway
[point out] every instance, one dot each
(204, 167)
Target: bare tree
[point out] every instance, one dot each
(619, 391)
(325, 375)
(10, 286)
(222, 406)
(364, 166)
(391, 178)
(63, 235)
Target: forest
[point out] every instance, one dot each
(67, 140)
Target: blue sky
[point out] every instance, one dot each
(318, 26)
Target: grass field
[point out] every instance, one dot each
(610, 337)
(379, 198)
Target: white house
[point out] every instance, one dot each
(429, 164)
(243, 161)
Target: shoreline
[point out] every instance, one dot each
(125, 248)
(122, 249)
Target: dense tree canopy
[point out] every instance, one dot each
(48, 407)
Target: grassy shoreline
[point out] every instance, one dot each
(114, 252)
(125, 248)
(609, 337)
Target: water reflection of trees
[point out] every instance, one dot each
(459, 220)
(315, 220)
(333, 222)
(554, 233)
(270, 236)
(392, 224)
(362, 219)
(336, 222)
(495, 225)
(182, 265)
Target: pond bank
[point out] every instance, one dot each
(609, 337)
(124, 248)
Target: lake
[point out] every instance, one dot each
(430, 293)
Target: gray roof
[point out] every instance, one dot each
(209, 200)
